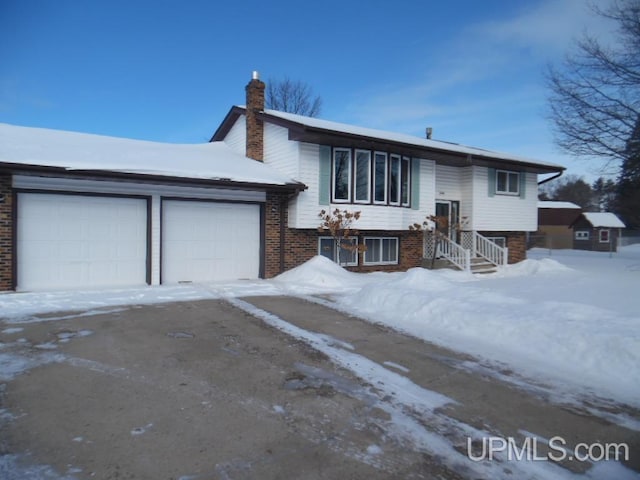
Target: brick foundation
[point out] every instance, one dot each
(516, 243)
(6, 233)
(299, 245)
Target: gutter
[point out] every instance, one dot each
(557, 175)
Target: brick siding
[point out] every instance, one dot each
(6, 234)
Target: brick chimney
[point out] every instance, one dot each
(255, 126)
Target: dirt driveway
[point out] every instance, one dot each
(205, 390)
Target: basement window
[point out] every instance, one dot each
(381, 251)
(327, 247)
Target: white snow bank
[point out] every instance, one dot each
(321, 275)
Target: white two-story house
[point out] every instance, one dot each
(486, 199)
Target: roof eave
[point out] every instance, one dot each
(305, 133)
(227, 123)
(18, 168)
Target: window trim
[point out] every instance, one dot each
(349, 178)
(517, 183)
(582, 235)
(355, 176)
(608, 232)
(380, 261)
(503, 239)
(386, 178)
(335, 247)
(407, 161)
(398, 158)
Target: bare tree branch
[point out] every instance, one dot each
(292, 96)
(595, 98)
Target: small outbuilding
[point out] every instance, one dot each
(597, 231)
(554, 224)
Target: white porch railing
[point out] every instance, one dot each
(453, 252)
(489, 250)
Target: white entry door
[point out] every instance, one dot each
(208, 241)
(80, 241)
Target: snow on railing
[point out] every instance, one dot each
(453, 252)
(489, 250)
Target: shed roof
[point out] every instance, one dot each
(554, 204)
(603, 219)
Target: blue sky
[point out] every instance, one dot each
(169, 70)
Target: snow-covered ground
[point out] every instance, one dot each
(566, 323)
(568, 320)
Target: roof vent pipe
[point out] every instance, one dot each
(429, 133)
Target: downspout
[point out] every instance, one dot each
(558, 175)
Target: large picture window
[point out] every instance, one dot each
(507, 183)
(327, 247)
(381, 251)
(363, 176)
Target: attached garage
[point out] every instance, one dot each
(73, 241)
(208, 241)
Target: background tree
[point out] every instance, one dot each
(627, 200)
(570, 188)
(595, 97)
(292, 96)
(604, 195)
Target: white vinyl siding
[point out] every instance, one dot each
(237, 136)
(500, 212)
(448, 182)
(279, 152)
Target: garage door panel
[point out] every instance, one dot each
(208, 241)
(69, 241)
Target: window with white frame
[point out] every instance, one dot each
(369, 177)
(342, 175)
(381, 251)
(362, 186)
(380, 178)
(582, 235)
(507, 183)
(500, 241)
(405, 168)
(604, 236)
(327, 247)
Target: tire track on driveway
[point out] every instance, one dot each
(481, 406)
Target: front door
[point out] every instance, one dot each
(448, 215)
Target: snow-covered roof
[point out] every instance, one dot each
(603, 219)
(82, 151)
(552, 204)
(404, 138)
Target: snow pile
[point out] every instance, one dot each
(318, 275)
(532, 267)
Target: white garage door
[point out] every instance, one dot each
(72, 241)
(207, 241)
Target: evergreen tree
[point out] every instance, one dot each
(628, 191)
